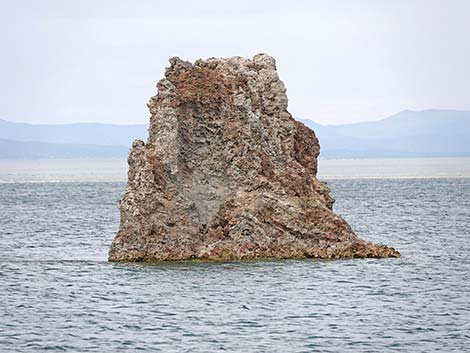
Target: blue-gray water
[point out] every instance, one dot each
(58, 293)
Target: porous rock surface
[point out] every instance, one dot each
(227, 173)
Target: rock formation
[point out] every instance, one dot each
(227, 173)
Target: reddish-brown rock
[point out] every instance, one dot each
(227, 173)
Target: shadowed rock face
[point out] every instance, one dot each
(227, 173)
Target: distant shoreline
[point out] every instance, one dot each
(115, 169)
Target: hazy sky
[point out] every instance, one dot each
(342, 61)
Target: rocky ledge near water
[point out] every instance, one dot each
(228, 174)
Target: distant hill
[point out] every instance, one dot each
(42, 150)
(427, 133)
(79, 133)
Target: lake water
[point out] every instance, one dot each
(58, 293)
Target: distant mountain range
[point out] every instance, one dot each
(78, 133)
(80, 140)
(10, 149)
(428, 133)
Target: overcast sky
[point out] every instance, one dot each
(341, 61)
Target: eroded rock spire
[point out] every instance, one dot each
(227, 173)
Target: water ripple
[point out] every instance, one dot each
(58, 293)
